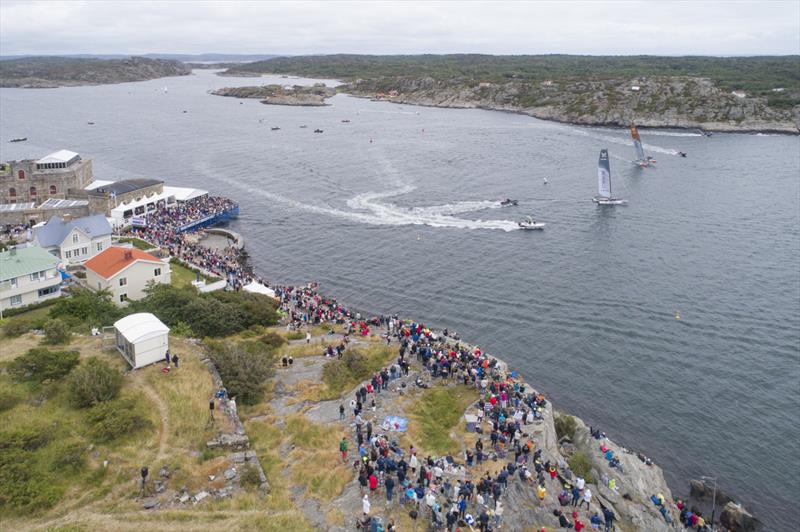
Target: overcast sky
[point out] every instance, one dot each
(597, 27)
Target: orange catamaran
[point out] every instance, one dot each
(641, 160)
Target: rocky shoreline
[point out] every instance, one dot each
(291, 95)
(679, 103)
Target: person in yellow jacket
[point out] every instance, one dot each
(541, 492)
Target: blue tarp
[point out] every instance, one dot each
(394, 424)
(65, 275)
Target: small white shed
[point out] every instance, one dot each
(142, 339)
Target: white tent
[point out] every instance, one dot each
(142, 339)
(259, 288)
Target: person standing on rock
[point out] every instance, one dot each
(343, 449)
(389, 484)
(587, 498)
(365, 505)
(308, 337)
(541, 492)
(341, 411)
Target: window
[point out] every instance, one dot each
(47, 291)
(123, 297)
(99, 246)
(75, 238)
(123, 281)
(21, 174)
(84, 251)
(13, 281)
(68, 254)
(33, 192)
(16, 300)
(35, 276)
(12, 194)
(53, 190)
(157, 272)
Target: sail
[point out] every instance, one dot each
(603, 175)
(637, 143)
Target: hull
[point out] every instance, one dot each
(610, 201)
(532, 227)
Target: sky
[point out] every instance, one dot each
(382, 27)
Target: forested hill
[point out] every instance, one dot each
(44, 72)
(758, 76)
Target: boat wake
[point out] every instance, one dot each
(627, 142)
(369, 209)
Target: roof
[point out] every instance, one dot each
(8, 207)
(126, 185)
(56, 229)
(23, 261)
(258, 288)
(97, 183)
(141, 326)
(183, 193)
(113, 260)
(57, 203)
(60, 156)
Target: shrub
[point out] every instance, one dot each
(24, 488)
(56, 332)
(69, 456)
(87, 306)
(7, 313)
(113, 419)
(80, 274)
(580, 464)
(9, 399)
(244, 367)
(249, 477)
(41, 364)
(18, 327)
(93, 382)
(272, 340)
(181, 329)
(295, 335)
(565, 426)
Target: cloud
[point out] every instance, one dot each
(575, 27)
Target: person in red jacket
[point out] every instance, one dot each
(578, 523)
(373, 483)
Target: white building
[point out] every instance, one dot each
(27, 275)
(141, 339)
(74, 241)
(125, 272)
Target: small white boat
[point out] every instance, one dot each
(528, 224)
(604, 196)
(544, 181)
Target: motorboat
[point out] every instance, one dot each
(528, 224)
(682, 153)
(345, 121)
(509, 203)
(317, 131)
(19, 139)
(276, 128)
(604, 196)
(303, 126)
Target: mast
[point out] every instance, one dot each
(637, 142)
(603, 175)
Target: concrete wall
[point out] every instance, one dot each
(40, 215)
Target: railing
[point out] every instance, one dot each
(211, 219)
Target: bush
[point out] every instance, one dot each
(18, 327)
(9, 399)
(80, 274)
(93, 382)
(580, 464)
(565, 426)
(7, 313)
(249, 477)
(87, 306)
(56, 332)
(41, 364)
(181, 329)
(24, 489)
(114, 419)
(295, 335)
(244, 367)
(69, 456)
(272, 340)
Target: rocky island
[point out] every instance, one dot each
(716, 94)
(293, 95)
(50, 72)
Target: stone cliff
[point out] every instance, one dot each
(679, 102)
(282, 95)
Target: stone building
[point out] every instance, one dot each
(55, 176)
(134, 192)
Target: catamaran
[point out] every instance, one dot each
(604, 196)
(641, 160)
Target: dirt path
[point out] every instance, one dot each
(163, 412)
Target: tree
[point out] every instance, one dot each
(56, 332)
(87, 306)
(40, 364)
(93, 382)
(244, 368)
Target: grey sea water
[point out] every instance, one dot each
(394, 212)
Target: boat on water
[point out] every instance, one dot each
(604, 195)
(90, 123)
(509, 203)
(345, 121)
(642, 160)
(19, 139)
(276, 128)
(303, 126)
(529, 224)
(318, 131)
(544, 181)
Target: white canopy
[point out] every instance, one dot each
(138, 327)
(258, 288)
(60, 156)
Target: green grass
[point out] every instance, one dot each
(35, 317)
(435, 414)
(138, 243)
(357, 365)
(181, 276)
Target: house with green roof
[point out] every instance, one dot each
(28, 275)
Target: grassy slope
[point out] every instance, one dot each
(435, 414)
